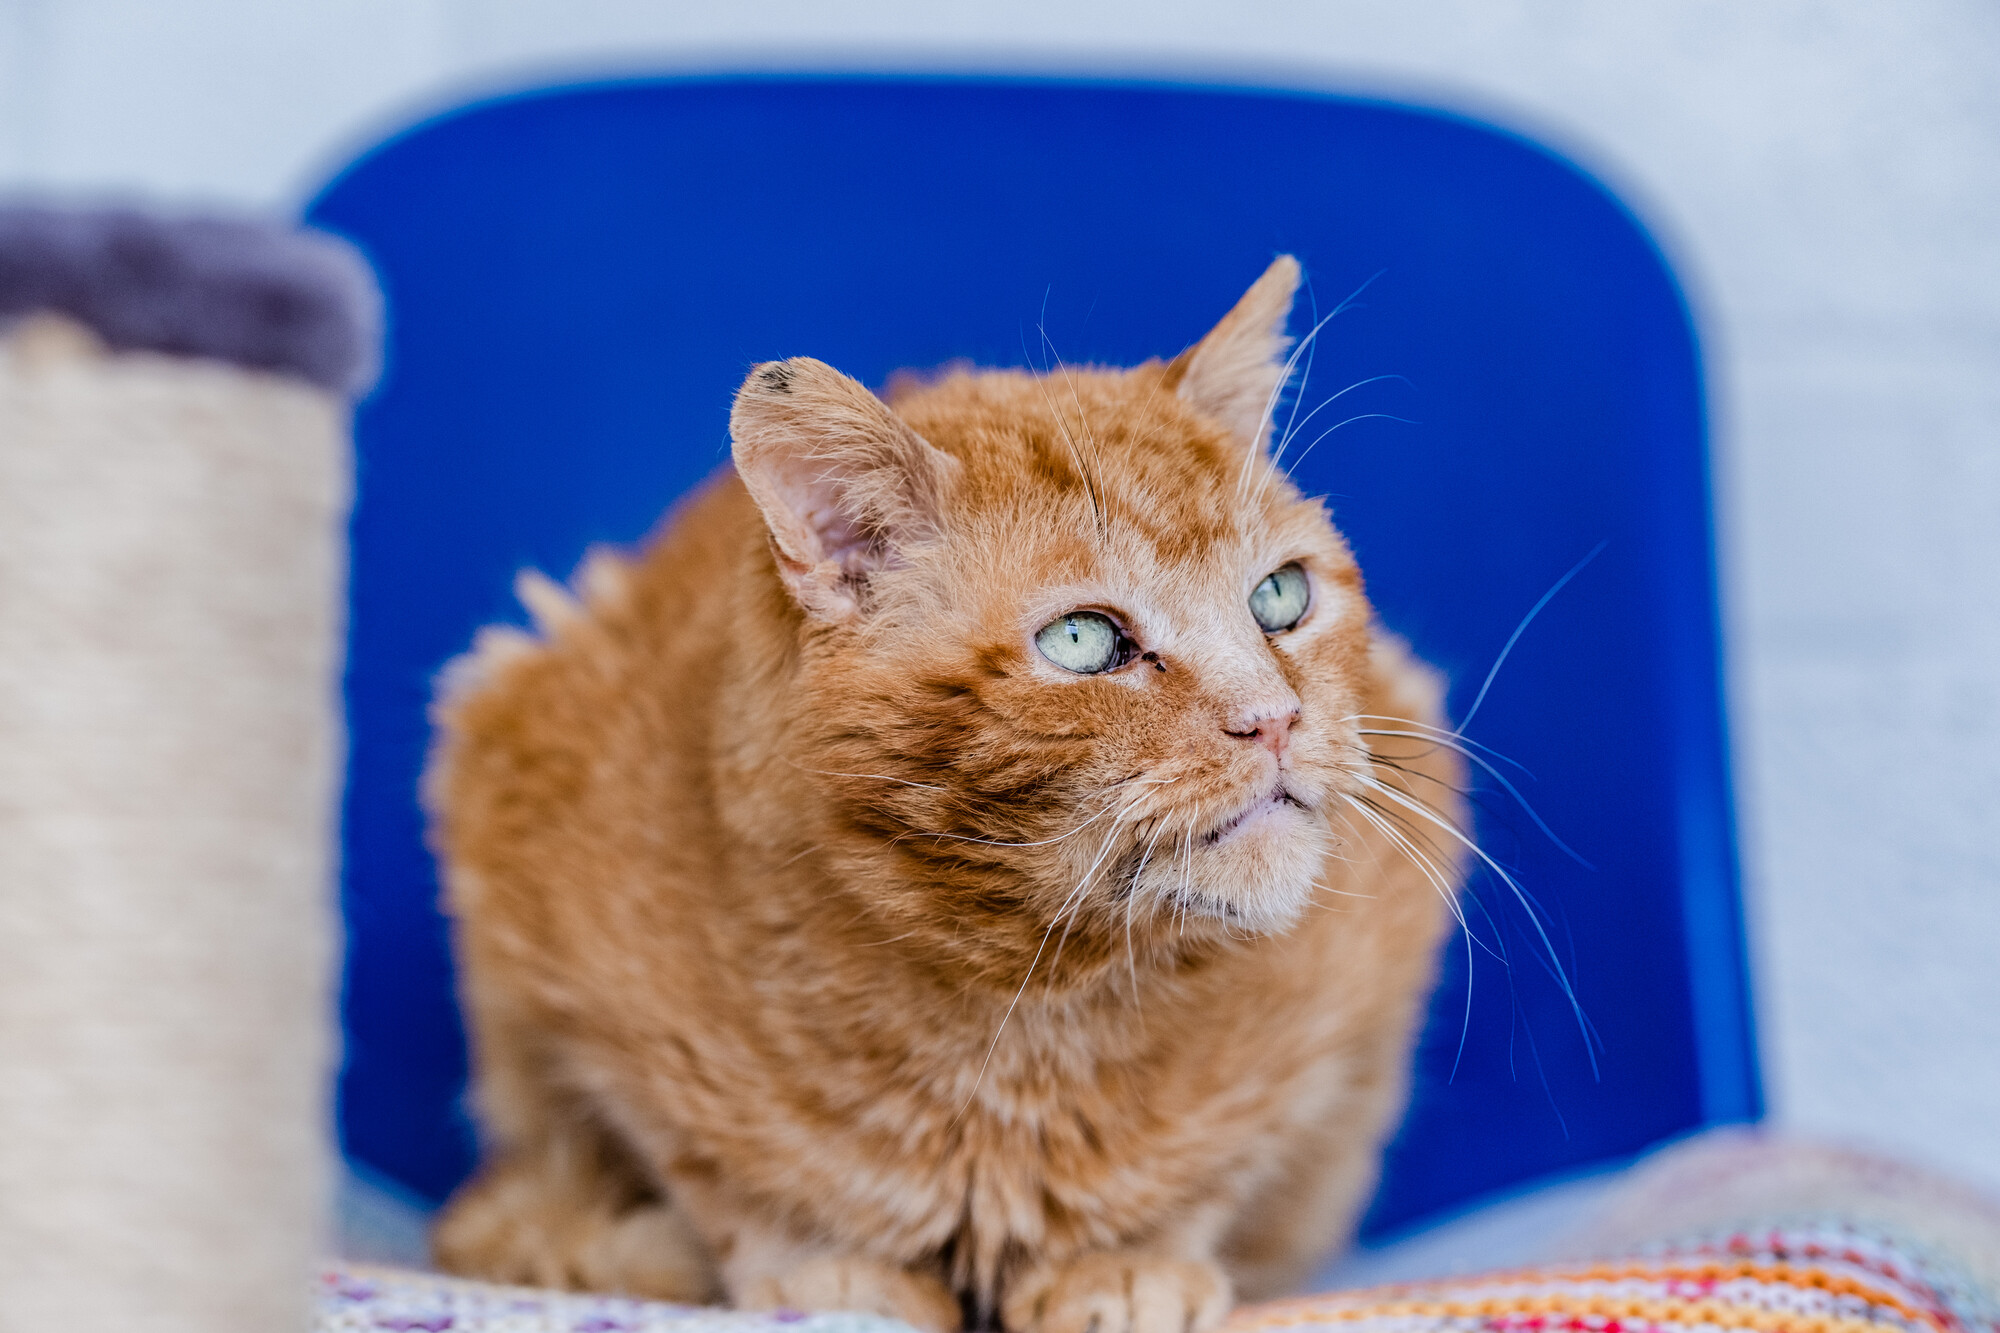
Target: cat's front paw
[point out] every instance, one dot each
(848, 1282)
(1118, 1293)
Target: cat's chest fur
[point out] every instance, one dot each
(862, 1095)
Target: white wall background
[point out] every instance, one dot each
(1826, 175)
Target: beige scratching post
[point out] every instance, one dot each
(173, 493)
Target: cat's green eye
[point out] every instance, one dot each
(1281, 599)
(1082, 641)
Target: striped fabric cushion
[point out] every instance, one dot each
(1735, 1230)
(1823, 1280)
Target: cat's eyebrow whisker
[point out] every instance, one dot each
(1285, 376)
(1465, 745)
(1041, 378)
(1145, 414)
(1305, 380)
(1291, 417)
(1090, 484)
(1082, 416)
(1360, 416)
(1254, 451)
(1277, 392)
(1291, 429)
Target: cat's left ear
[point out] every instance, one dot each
(842, 481)
(1236, 373)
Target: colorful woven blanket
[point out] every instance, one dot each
(1776, 1281)
(1823, 1242)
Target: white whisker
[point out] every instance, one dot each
(1076, 897)
(1360, 416)
(1292, 429)
(1284, 378)
(1090, 485)
(1442, 735)
(1424, 812)
(1429, 869)
(1521, 628)
(1254, 451)
(1500, 778)
(1083, 884)
(1131, 904)
(1045, 842)
(879, 777)
(1464, 927)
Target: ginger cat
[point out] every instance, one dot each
(962, 869)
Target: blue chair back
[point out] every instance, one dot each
(578, 279)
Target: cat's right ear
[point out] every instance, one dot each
(842, 482)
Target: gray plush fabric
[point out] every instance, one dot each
(260, 296)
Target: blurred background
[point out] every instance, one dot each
(1825, 178)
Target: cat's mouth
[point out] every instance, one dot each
(1278, 798)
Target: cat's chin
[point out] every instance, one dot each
(1255, 877)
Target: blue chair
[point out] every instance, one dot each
(577, 280)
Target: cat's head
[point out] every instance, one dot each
(1071, 649)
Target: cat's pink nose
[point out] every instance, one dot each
(1271, 729)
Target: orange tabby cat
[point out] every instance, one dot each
(947, 873)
